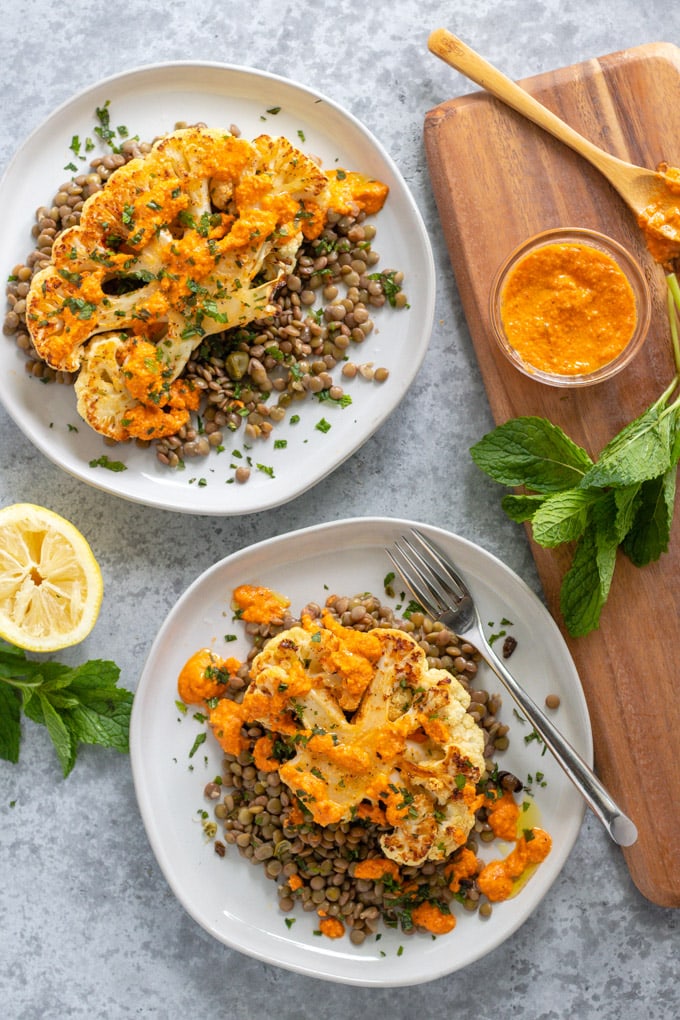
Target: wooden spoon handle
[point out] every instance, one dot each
(454, 52)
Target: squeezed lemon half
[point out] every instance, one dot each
(50, 583)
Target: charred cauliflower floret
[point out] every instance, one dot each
(115, 382)
(371, 728)
(190, 240)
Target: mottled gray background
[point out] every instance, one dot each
(88, 926)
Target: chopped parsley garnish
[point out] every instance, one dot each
(412, 607)
(200, 739)
(390, 288)
(344, 401)
(106, 462)
(79, 307)
(103, 129)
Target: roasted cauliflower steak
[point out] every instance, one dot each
(374, 729)
(187, 241)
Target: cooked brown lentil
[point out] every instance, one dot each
(250, 377)
(509, 645)
(314, 865)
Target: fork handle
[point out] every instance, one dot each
(621, 829)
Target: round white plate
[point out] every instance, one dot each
(148, 102)
(230, 897)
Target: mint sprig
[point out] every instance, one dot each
(532, 452)
(77, 705)
(623, 500)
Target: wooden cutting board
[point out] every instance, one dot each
(497, 180)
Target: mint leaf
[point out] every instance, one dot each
(10, 723)
(586, 584)
(103, 718)
(562, 517)
(675, 444)
(521, 507)
(12, 661)
(32, 706)
(59, 734)
(51, 676)
(626, 501)
(650, 533)
(532, 451)
(97, 674)
(640, 451)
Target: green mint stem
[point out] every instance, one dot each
(666, 395)
(21, 684)
(673, 312)
(674, 287)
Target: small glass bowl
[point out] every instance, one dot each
(623, 259)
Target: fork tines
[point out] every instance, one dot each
(442, 568)
(425, 573)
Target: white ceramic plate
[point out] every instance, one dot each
(149, 101)
(230, 897)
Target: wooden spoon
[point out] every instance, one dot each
(652, 196)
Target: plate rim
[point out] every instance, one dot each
(155, 495)
(370, 523)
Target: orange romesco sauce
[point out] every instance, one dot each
(203, 676)
(376, 867)
(660, 220)
(503, 816)
(349, 189)
(331, 927)
(498, 879)
(465, 865)
(568, 309)
(258, 604)
(432, 919)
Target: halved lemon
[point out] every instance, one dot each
(50, 583)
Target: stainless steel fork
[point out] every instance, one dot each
(441, 591)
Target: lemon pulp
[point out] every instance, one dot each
(50, 582)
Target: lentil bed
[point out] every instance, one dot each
(313, 865)
(250, 377)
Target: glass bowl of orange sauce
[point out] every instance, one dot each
(570, 307)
